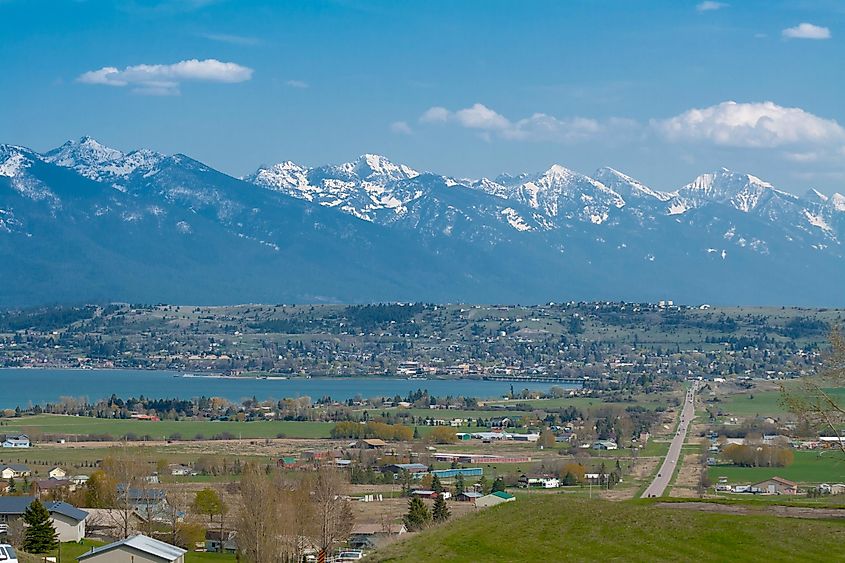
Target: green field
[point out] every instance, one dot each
(566, 528)
(763, 403)
(188, 429)
(808, 467)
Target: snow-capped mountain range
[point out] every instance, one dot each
(88, 222)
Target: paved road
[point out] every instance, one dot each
(664, 474)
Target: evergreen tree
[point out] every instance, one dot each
(436, 485)
(13, 488)
(498, 485)
(441, 511)
(484, 486)
(459, 484)
(40, 536)
(418, 516)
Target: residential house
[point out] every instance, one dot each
(371, 444)
(44, 488)
(135, 549)
(213, 539)
(112, 523)
(19, 441)
(178, 470)
(15, 471)
(149, 504)
(776, 486)
(604, 445)
(541, 481)
(57, 473)
(424, 493)
(371, 536)
(68, 520)
(493, 499)
(468, 496)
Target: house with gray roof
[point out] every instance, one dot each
(135, 549)
(68, 520)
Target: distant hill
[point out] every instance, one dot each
(562, 528)
(85, 222)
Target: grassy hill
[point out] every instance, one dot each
(558, 528)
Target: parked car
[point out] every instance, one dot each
(7, 553)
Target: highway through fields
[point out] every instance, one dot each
(667, 469)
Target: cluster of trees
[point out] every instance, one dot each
(758, 455)
(279, 516)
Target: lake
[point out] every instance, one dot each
(22, 387)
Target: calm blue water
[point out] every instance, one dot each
(22, 387)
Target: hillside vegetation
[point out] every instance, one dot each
(559, 528)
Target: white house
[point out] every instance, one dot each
(605, 445)
(57, 473)
(15, 471)
(19, 441)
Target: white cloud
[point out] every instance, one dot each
(436, 114)
(161, 79)
(480, 116)
(301, 84)
(751, 125)
(806, 31)
(401, 128)
(710, 6)
(537, 127)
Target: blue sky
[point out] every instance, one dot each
(467, 88)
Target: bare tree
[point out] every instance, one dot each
(333, 514)
(258, 522)
(128, 478)
(811, 398)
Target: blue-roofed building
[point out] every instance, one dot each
(135, 549)
(465, 471)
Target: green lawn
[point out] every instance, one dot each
(566, 528)
(188, 429)
(808, 467)
(763, 403)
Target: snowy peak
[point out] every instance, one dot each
(815, 196)
(837, 201)
(99, 162)
(14, 160)
(626, 186)
(742, 191)
(375, 167)
(561, 192)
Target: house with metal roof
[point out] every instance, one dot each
(68, 520)
(493, 499)
(135, 549)
(409, 467)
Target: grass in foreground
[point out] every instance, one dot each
(562, 528)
